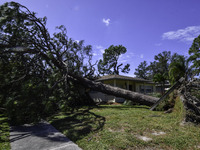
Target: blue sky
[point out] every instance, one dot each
(144, 27)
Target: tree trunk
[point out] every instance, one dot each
(115, 91)
(96, 86)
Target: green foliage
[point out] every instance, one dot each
(165, 67)
(178, 68)
(194, 53)
(109, 64)
(157, 70)
(33, 82)
(167, 103)
(128, 103)
(142, 71)
(196, 93)
(158, 95)
(4, 132)
(162, 65)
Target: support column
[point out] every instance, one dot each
(127, 85)
(144, 88)
(114, 82)
(114, 86)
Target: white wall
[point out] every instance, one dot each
(101, 97)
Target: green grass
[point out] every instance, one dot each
(118, 127)
(4, 133)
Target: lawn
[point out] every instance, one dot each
(4, 133)
(128, 127)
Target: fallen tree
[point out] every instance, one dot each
(190, 101)
(97, 86)
(25, 38)
(110, 90)
(39, 63)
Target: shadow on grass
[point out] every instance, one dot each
(4, 129)
(78, 125)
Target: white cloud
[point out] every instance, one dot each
(100, 48)
(95, 54)
(106, 21)
(158, 44)
(77, 41)
(123, 61)
(142, 56)
(186, 35)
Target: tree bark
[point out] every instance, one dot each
(115, 91)
(96, 86)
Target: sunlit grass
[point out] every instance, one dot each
(118, 127)
(4, 133)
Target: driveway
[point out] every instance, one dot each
(41, 136)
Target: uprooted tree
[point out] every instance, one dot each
(41, 73)
(190, 95)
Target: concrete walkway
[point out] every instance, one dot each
(42, 136)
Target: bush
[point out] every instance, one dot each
(129, 103)
(167, 103)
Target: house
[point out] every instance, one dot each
(125, 82)
(162, 88)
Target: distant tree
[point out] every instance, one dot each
(152, 68)
(160, 78)
(194, 53)
(178, 68)
(162, 61)
(142, 71)
(109, 64)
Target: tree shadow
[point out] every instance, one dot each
(74, 126)
(4, 129)
(80, 124)
(30, 131)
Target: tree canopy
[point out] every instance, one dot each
(178, 68)
(34, 66)
(142, 71)
(194, 53)
(109, 64)
(42, 73)
(165, 67)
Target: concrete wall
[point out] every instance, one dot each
(101, 97)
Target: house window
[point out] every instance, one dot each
(130, 87)
(146, 89)
(141, 89)
(149, 89)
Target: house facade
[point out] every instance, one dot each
(124, 82)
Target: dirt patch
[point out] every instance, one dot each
(116, 130)
(144, 138)
(158, 133)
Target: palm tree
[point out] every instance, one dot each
(160, 79)
(178, 68)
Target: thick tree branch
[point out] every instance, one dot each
(97, 86)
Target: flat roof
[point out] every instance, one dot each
(120, 77)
